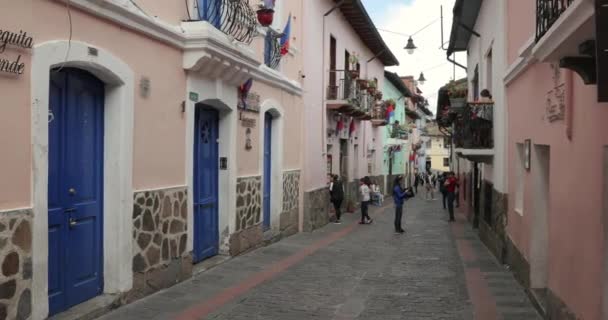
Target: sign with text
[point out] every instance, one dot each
(250, 103)
(13, 39)
(555, 108)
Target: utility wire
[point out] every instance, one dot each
(413, 34)
(67, 52)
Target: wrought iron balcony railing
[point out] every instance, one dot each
(272, 49)
(235, 18)
(547, 13)
(342, 86)
(473, 127)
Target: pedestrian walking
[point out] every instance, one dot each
(336, 194)
(430, 193)
(451, 184)
(399, 196)
(365, 193)
(444, 192)
(416, 182)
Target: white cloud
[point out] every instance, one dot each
(408, 19)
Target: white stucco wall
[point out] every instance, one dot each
(491, 26)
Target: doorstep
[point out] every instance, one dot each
(91, 309)
(209, 264)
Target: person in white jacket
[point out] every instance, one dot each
(365, 193)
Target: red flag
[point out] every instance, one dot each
(351, 129)
(339, 126)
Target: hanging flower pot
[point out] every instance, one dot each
(371, 90)
(265, 16)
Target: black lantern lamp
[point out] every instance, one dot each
(421, 79)
(410, 47)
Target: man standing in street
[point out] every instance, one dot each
(444, 193)
(450, 185)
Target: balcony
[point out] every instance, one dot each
(547, 13)
(398, 131)
(272, 49)
(235, 18)
(346, 95)
(379, 114)
(473, 131)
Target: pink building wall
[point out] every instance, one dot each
(575, 233)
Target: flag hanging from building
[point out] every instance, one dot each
(285, 37)
(244, 92)
(390, 112)
(351, 129)
(339, 126)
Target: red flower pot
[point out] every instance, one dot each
(265, 17)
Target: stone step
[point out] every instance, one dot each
(91, 309)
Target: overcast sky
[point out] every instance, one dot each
(407, 17)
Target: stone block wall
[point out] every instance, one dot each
(316, 209)
(291, 203)
(494, 233)
(249, 232)
(160, 236)
(16, 258)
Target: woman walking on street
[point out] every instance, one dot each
(336, 193)
(399, 196)
(365, 191)
(451, 184)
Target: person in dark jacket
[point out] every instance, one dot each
(399, 196)
(336, 193)
(443, 189)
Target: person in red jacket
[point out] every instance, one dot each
(450, 186)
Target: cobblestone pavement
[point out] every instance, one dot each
(436, 270)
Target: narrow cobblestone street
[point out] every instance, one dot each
(434, 271)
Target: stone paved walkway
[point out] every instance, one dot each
(436, 270)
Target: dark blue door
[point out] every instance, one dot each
(75, 195)
(206, 234)
(267, 167)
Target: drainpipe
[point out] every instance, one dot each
(323, 85)
(569, 103)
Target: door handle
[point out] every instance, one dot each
(72, 191)
(73, 222)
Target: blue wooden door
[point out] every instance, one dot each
(206, 233)
(267, 167)
(75, 188)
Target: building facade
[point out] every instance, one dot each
(139, 148)
(345, 58)
(438, 148)
(557, 226)
(397, 133)
(545, 62)
(480, 132)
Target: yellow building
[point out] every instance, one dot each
(437, 148)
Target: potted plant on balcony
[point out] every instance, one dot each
(458, 94)
(353, 60)
(362, 84)
(391, 102)
(371, 87)
(379, 96)
(266, 12)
